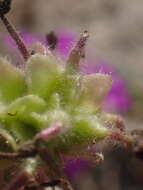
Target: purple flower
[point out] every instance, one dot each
(66, 40)
(73, 167)
(27, 37)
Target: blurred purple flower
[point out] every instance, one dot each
(74, 167)
(66, 40)
(27, 37)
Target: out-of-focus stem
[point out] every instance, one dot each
(123, 138)
(9, 156)
(18, 182)
(11, 29)
(65, 185)
(128, 140)
(54, 170)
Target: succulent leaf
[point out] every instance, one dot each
(69, 89)
(12, 82)
(7, 144)
(43, 73)
(81, 132)
(95, 87)
(22, 131)
(26, 104)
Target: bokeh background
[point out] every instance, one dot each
(116, 36)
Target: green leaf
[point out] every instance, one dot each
(68, 89)
(34, 119)
(12, 82)
(94, 88)
(27, 110)
(82, 132)
(7, 142)
(22, 131)
(43, 73)
(29, 103)
(88, 128)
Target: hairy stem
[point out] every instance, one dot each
(18, 182)
(11, 29)
(65, 185)
(77, 52)
(9, 156)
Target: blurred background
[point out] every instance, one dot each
(116, 29)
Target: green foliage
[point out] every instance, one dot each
(12, 82)
(46, 92)
(43, 74)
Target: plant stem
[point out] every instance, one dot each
(11, 29)
(65, 185)
(9, 156)
(78, 52)
(20, 181)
